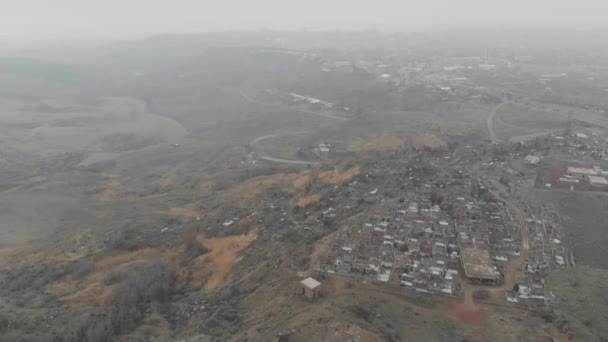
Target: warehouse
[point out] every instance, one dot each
(478, 266)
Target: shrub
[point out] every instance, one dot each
(481, 295)
(195, 250)
(133, 288)
(361, 312)
(81, 269)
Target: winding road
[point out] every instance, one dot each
(280, 160)
(490, 122)
(519, 138)
(249, 99)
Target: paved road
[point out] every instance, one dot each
(280, 160)
(532, 136)
(289, 161)
(490, 122)
(249, 99)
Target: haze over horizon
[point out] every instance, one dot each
(73, 21)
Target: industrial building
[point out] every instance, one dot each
(598, 182)
(581, 173)
(478, 266)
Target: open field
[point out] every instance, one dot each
(584, 216)
(582, 300)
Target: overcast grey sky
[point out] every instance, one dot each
(82, 20)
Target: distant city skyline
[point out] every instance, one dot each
(41, 21)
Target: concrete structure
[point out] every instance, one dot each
(311, 288)
(478, 266)
(487, 67)
(580, 172)
(532, 160)
(599, 182)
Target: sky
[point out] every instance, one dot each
(91, 20)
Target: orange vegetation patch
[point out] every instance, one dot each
(92, 289)
(116, 260)
(14, 256)
(207, 185)
(380, 144)
(305, 201)
(111, 189)
(303, 180)
(249, 190)
(335, 177)
(192, 210)
(244, 194)
(208, 270)
(18, 256)
(37, 179)
(428, 140)
(166, 181)
(221, 258)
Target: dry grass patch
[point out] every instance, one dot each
(112, 189)
(208, 270)
(248, 191)
(192, 210)
(207, 185)
(305, 201)
(221, 258)
(428, 140)
(166, 181)
(37, 179)
(380, 144)
(15, 256)
(335, 177)
(92, 288)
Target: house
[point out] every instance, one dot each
(311, 288)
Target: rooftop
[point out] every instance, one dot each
(310, 283)
(598, 180)
(581, 170)
(477, 263)
(532, 159)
